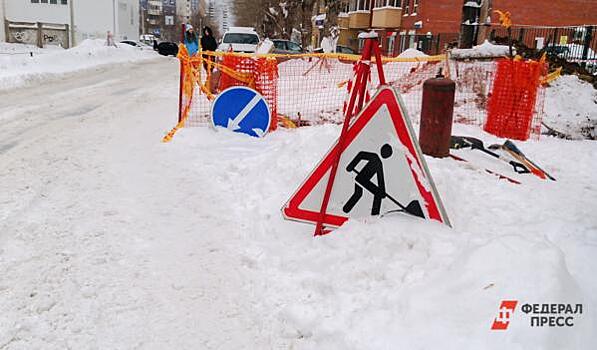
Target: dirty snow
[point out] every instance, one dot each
(18, 70)
(111, 239)
(412, 53)
(485, 50)
(571, 107)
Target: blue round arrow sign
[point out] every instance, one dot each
(243, 110)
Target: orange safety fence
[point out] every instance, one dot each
(311, 89)
(511, 109)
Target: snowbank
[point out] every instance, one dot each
(393, 282)
(16, 49)
(20, 69)
(485, 50)
(111, 239)
(412, 53)
(571, 107)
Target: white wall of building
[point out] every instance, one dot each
(128, 20)
(2, 35)
(183, 10)
(92, 18)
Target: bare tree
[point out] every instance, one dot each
(333, 8)
(280, 18)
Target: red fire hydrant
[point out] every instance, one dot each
(436, 116)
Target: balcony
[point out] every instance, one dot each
(343, 21)
(387, 17)
(154, 12)
(358, 19)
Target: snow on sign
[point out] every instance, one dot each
(381, 170)
(243, 110)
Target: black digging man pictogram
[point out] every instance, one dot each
(373, 168)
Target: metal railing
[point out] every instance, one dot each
(576, 44)
(429, 44)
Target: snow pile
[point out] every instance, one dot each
(571, 107)
(15, 49)
(412, 53)
(111, 239)
(18, 70)
(391, 282)
(485, 50)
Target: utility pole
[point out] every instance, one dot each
(73, 40)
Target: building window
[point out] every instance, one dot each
(391, 44)
(406, 7)
(415, 6)
(360, 5)
(345, 8)
(52, 2)
(387, 3)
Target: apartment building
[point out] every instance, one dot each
(432, 25)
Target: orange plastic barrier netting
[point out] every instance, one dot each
(260, 73)
(512, 110)
(309, 89)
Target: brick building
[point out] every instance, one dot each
(432, 25)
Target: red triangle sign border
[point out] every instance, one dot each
(385, 96)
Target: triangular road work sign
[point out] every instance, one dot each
(381, 170)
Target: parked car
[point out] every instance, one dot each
(339, 49)
(557, 49)
(287, 47)
(147, 38)
(167, 48)
(137, 44)
(240, 39)
(574, 53)
(345, 49)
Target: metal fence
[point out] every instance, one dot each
(429, 44)
(574, 44)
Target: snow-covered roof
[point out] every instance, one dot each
(472, 4)
(368, 35)
(249, 30)
(320, 17)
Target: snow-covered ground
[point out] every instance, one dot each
(571, 107)
(110, 239)
(18, 67)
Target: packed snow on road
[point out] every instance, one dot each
(111, 239)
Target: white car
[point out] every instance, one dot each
(240, 39)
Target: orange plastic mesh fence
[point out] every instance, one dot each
(308, 89)
(512, 110)
(312, 88)
(473, 86)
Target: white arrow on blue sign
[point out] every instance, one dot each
(241, 109)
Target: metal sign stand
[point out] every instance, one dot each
(359, 89)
